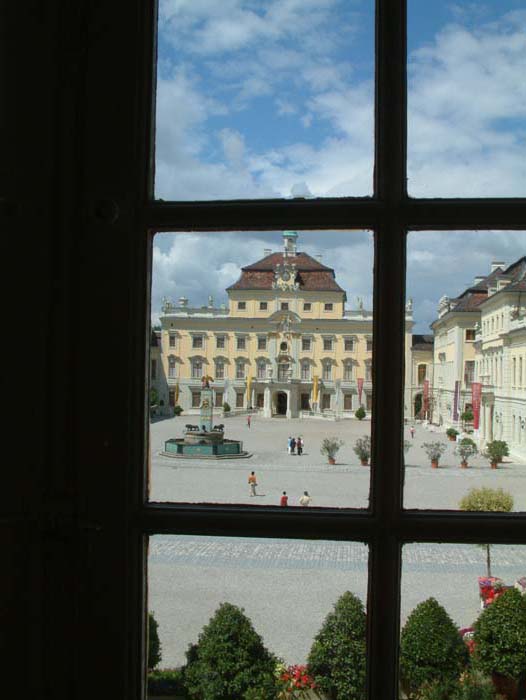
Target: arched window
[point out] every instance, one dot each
(197, 368)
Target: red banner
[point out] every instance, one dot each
(476, 392)
(426, 397)
(359, 381)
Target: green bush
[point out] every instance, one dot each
(500, 636)
(360, 413)
(178, 410)
(337, 656)
(467, 416)
(431, 648)
(169, 681)
(229, 659)
(154, 644)
(451, 432)
(473, 685)
(330, 446)
(362, 447)
(434, 450)
(496, 450)
(226, 408)
(466, 448)
(493, 500)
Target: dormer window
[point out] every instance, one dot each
(328, 307)
(241, 305)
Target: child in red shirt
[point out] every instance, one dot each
(284, 499)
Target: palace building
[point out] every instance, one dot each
(287, 345)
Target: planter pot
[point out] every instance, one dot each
(493, 465)
(364, 462)
(464, 464)
(332, 460)
(434, 463)
(507, 687)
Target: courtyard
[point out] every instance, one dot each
(288, 587)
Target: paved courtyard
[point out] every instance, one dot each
(288, 587)
(345, 484)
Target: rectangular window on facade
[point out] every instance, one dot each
(327, 371)
(197, 341)
(284, 305)
(196, 399)
(220, 370)
(305, 371)
(263, 305)
(220, 342)
(172, 371)
(349, 344)
(241, 343)
(347, 402)
(240, 370)
(368, 373)
(171, 340)
(307, 306)
(328, 307)
(306, 344)
(262, 369)
(218, 399)
(347, 373)
(469, 372)
(239, 399)
(470, 334)
(327, 344)
(369, 345)
(241, 305)
(154, 369)
(262, 343)
(197, 369)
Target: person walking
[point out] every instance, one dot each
(284, 500)
(249, 418)
(305, 499)
(299, 446)
(292, 446)
(252, 483)
(412, 431)
(289, 444)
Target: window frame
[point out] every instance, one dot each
(111, 154)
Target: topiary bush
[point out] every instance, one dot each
(337, 656)
(178, 410)
(360, 413)
(226, 407)
(500, 636)
(154, 644)
(229, 659)
(169, 681)
(431, 648)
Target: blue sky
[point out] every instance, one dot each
(275, 99)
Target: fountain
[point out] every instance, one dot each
(206, 440)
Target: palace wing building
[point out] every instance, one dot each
(285, 346)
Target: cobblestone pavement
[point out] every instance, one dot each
(344, 485)
(287, 587)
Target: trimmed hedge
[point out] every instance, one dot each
(338, 654)
(500, 636)
(169, 681)
(229, 659)
(431, 648)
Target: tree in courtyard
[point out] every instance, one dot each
(154, 644)
(337, 656)
(431, 648)
(500, 636)
(229, 659)
(486, 499)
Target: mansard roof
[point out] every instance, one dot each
(422, 341)
(311, 274)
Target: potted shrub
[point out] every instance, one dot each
(177, 410)
(226, 407)
(431, 648)
(362, 449)
(360, 413)
(495, 451)
(500, 642)
(466, 448)
(452, 434)
(330, 447)
(488, 500)
(434, 451)
(467, 416)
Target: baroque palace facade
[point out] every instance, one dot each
(479, 357)
(286, 345)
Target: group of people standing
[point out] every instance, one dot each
(304, 500)
(295, 445)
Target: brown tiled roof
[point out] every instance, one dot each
(469, 301)
(311, 274)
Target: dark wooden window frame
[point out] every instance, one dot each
(92, 75)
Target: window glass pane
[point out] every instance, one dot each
(467, 98)
(460, 622)
(295, 398)
(220, 593)
(264, 99)
(465, 391)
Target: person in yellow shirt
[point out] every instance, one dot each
(252, 483)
